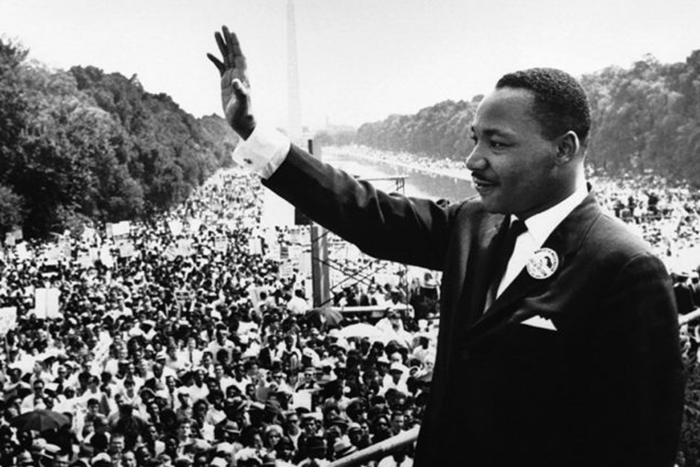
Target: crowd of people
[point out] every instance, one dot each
(192, 340)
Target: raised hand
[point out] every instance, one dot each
(235, 88)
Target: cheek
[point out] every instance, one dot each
(522, 178)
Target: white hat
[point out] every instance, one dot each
(218, 462)
(103, 456)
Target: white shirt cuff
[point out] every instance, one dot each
(263, 152)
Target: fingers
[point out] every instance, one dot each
(219, 65)
(236, 57)
(230, 49)
(230, 55)
(222, 45)
(233, 43)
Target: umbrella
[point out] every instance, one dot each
(361, 330)
(324, 316)
(39, 420)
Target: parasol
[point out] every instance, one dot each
(362, 330)
(39, 420)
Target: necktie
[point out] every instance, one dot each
(503, 255)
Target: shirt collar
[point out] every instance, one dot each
(542, 224)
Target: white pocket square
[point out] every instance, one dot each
(538, 321)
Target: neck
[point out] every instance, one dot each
(576, 182)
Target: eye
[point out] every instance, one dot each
(497, 144)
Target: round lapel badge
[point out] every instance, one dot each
(543, 264)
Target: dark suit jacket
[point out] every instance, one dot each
(604, 389)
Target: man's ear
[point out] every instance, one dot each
(568, 147)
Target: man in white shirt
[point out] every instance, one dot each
(297, 305)
(221, 342)
(37, 399)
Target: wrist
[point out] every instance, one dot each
(244, 127)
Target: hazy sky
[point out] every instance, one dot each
(359, 60)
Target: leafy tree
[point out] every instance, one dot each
(170, 151)
(11, 211)
(438, 131)
(87, 145)
(13, 121)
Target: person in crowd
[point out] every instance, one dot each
(37, 399)
(297, 306)
(117, 446)
(129, 459)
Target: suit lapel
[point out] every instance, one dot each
(476, 277)
(565, 240)
(484, 263)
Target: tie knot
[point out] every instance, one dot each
(516, 228)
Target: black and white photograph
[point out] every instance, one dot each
(349, 233)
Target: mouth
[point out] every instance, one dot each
(482, 184)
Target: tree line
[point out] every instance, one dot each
(646, 120)
(84, 146)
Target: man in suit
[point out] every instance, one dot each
(564, 352)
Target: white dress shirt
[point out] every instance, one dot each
(263, 152)
(539, 227)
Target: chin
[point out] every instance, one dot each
(493, 206)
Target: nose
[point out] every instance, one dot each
(476, 161)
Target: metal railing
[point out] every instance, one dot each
(379, 450)
(688, 317)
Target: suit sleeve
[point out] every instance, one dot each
(387, 226)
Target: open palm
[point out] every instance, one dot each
(235, 88)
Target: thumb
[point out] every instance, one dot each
(238, 109)
(239, 89)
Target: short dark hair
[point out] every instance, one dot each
(561, 104)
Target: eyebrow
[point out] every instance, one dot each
(493, 132)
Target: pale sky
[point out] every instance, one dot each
(359, 60)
